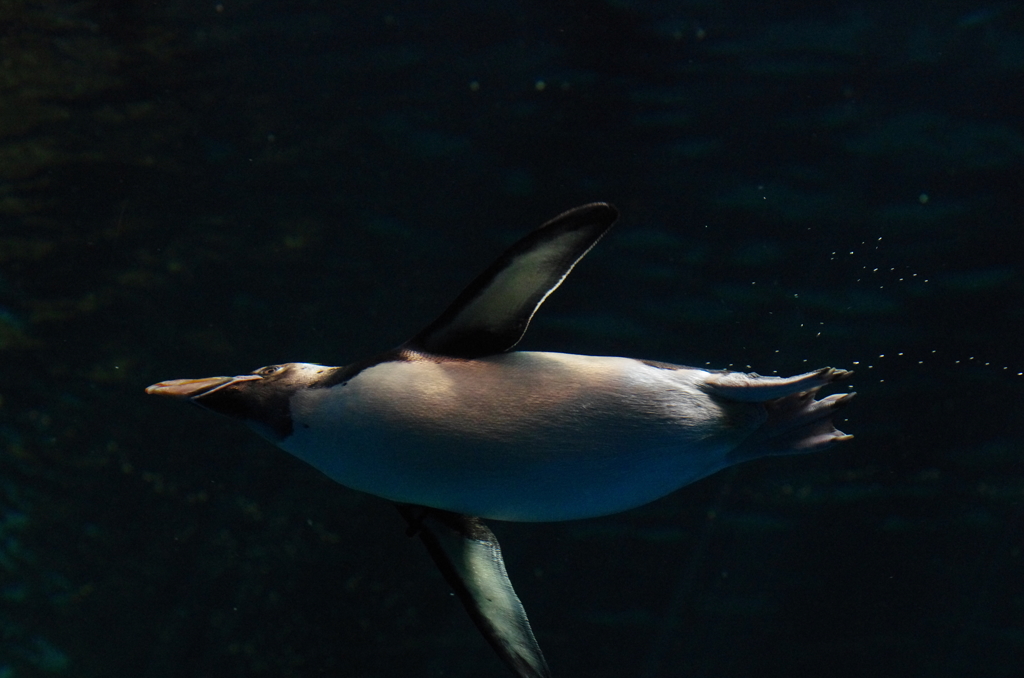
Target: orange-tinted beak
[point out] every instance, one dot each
(190, 388)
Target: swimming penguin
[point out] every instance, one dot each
(455, 427)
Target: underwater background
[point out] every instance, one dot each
(199, 188)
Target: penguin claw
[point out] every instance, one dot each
(753, 388)
(797, 423)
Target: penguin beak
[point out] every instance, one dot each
(191, 388)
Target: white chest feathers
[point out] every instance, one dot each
(520, 436)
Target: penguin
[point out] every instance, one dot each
(455, 427)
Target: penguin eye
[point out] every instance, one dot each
(270, 369)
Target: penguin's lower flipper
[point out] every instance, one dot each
(469, 557)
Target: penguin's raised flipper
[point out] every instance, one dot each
(491, 315)
(469, 557)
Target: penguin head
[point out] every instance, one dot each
(260, 398)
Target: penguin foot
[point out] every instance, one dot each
(797, 423)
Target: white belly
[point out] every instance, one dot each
(519, 436)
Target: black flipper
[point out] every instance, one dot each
(492, 313)
(469, 557)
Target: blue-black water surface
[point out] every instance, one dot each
(190, 189)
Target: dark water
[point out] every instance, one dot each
(189, 189)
